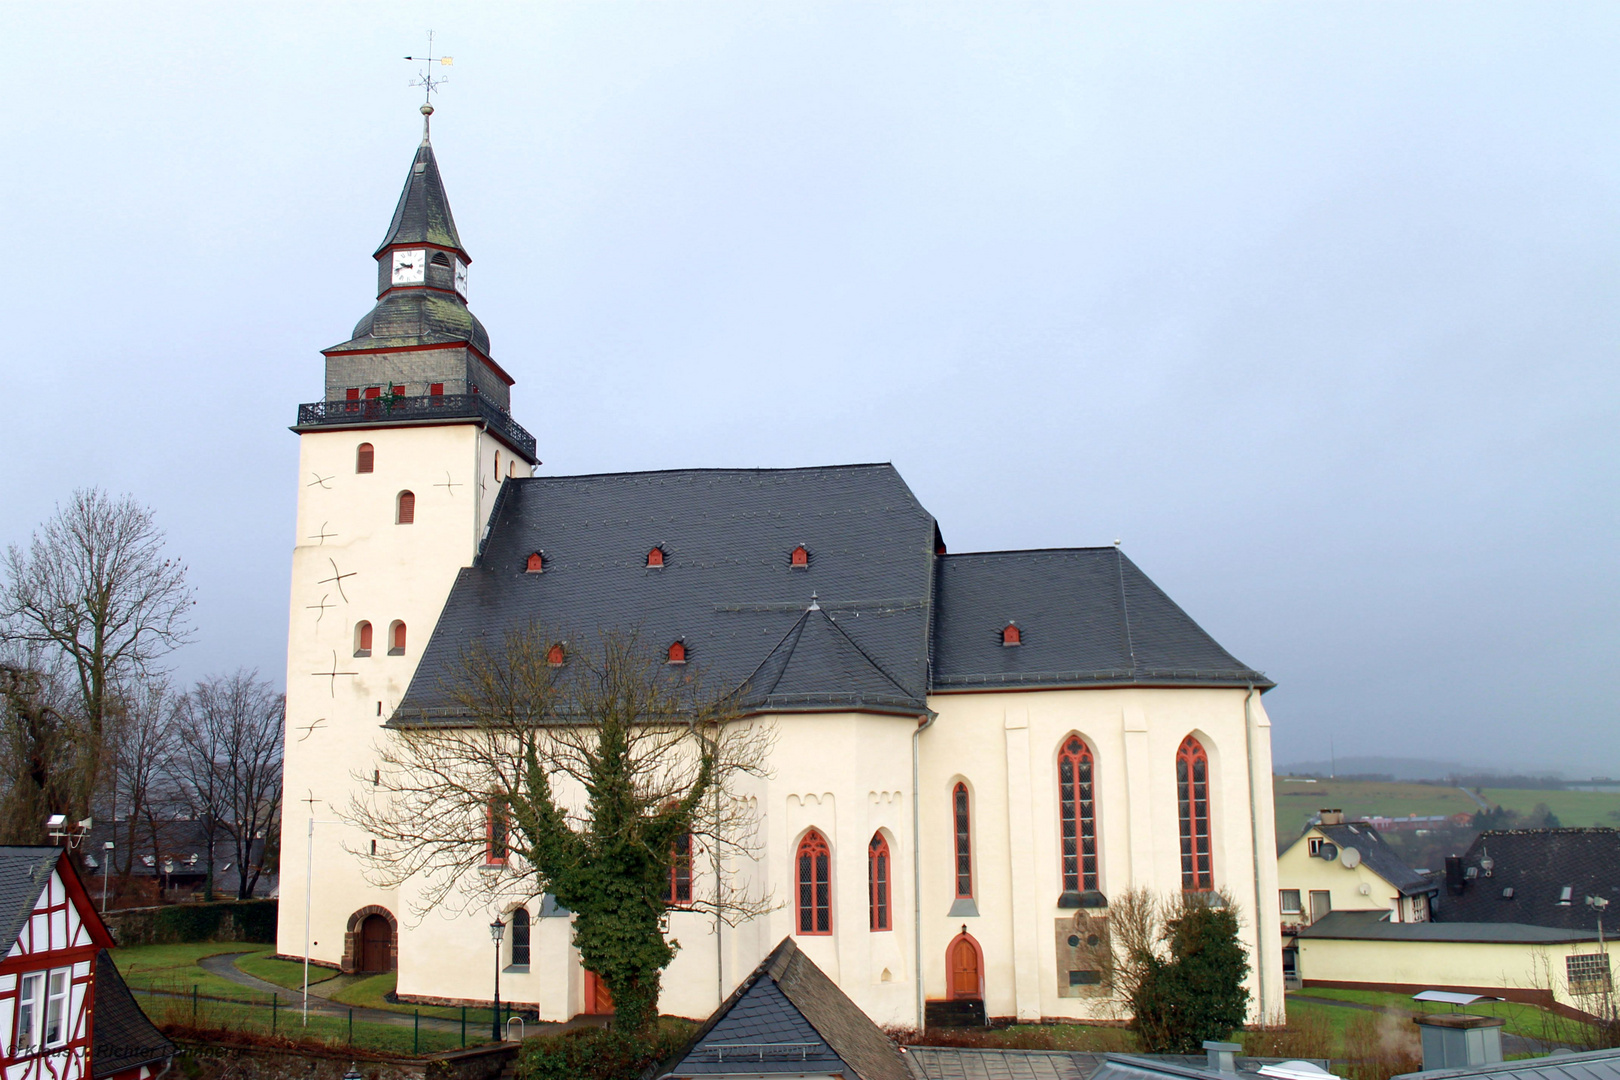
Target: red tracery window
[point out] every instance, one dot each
(365, 457)
(407, 509)
(536, 563)
(1010, 635)
(677, 653)
(655, 557)
(495, 833)
(964, 852)
(1192, 793)
(877, 881)
(799, 558)
(554, 655)
(815, 885)
(1077, 809)
(680, 872)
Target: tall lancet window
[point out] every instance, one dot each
(964, 850)
(1077, 811)
(1192, 793)
(877, 881)
(815, 885)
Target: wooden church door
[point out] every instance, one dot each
(376, 945)
(598, 1000)
(964, 968)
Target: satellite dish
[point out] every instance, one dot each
(1352, 858)
(1329, 852)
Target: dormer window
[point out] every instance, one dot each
(655, 559)
(677, 653)
(799, 558)
(554, 655)
(1011, 635)
(441, 259)
(536, 565)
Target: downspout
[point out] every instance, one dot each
(1254, 840)
(916, 862)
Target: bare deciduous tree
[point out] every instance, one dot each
(588, 774)
(35, 762)
(95, 584)
(143, 790)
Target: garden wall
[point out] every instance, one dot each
(232, 920)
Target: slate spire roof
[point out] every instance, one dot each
(423, 213)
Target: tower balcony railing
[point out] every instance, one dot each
(386, 410)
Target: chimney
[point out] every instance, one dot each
(1222, 1056)
(1330, 817)
(1454, 875)
(1458, 1040)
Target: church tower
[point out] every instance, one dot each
(399, 466)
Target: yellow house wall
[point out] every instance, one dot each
(1441, 965)
(1297, 869)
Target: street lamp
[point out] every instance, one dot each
(107, 846)
(496, 929)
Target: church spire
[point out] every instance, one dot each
(423, 213)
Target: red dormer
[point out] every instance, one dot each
(1011, 635)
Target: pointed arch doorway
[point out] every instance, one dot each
(964, 966)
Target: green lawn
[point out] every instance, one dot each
(173, 968)
(370, 993)
(1522, 1019)
(288, 973)
(213, 1015)
(1296, 802)
(1575, 809)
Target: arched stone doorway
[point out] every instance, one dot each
(371, 943)
(964, 966)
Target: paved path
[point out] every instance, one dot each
(1511, 1044)
(1483, 805)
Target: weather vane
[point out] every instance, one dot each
(425, 79)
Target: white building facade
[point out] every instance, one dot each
(972, 752)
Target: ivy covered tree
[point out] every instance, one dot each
(594, 770)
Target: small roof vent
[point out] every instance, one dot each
(1011, 635)
(536, 564)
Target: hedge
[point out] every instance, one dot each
(251, 921)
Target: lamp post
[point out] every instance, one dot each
(106, 871)
(496, 929)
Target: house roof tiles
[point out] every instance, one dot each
(1537, 865)
(24, 872)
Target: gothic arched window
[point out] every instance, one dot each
(680, 872)
(520, 937)
(365, 458)
(1192, 796)
(814, 865)
(407, 509)
(877, 881)
(1077, 813)
(964, 850)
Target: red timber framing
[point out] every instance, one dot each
(47, 981)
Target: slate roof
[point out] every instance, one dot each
(884, 597)
(122, 1036)
(423, 213)
(24, 873)
(416, 317)
(1537, 864)
(1087, 617)
(788, 1017)
(1376, 855)
(1375, 926)
(1561, 1065)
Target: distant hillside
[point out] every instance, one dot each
(1396, 768)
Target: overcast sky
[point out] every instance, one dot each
(1312, 305)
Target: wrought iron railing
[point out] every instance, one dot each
(433, 407)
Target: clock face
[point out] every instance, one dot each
(461, 278)
(410, 267)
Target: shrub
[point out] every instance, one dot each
(600, 1053)
(1308, 1034)
(1380, 1045)
(1198, 993)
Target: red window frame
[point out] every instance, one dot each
(497, 835)
(877, 882)
(436, 390)
(398, 641)
(1077, 815)
(677, 652)
(536, 563)
(814, 878)
(352, 397)
(961, 817)
(799, 558)
(655, 557)
(1192, 798)
(679, 890)
(365, 458)
(363, 640)
(397, 391)
(1011, 635)
(407, 508)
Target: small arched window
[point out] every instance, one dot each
(365, 458)
(814, 876)
(1077, 814)
(554, 655)
(677, 652)
(1011, 635)
(536, 563)
(497, 464)
(362, 639)
(964, 849)
(877, 882)
(799, 558)
(441, 259)
(520, 937)
(655, 559)
(680, 872)
(407, 509)
(396, 639)
(1192, 796)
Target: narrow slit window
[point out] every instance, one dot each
(365, 458)
(679, 891)
(497, 464)
(877, 877)
(495, 833)
(407, 509)
(814, 864)
(1192, 796)
(1077, 812)
(964, 851)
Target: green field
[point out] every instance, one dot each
(1296, 802)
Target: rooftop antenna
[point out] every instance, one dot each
(427, 82)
